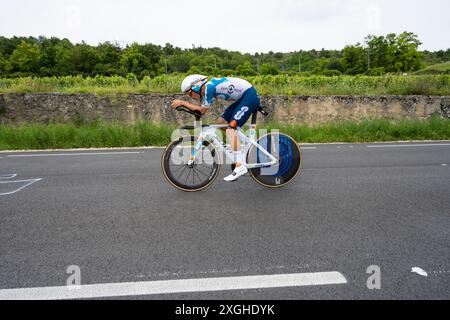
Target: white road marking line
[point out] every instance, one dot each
(71, 154)
(8, 176)
(444, 164)
(174, 286)
(308, 148)
(410, 145)
(28, 183)
(80, 149)
(419, 271)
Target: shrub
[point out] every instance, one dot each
(331, 73)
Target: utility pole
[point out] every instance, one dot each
(299, 64)
(368, 59)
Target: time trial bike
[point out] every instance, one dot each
(192, 162)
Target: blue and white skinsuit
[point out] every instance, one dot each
(244, 95)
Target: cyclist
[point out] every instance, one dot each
(245, 102)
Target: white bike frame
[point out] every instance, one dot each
(209, 133)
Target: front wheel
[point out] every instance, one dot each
(198, 176)
(289, 156)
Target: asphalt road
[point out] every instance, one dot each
(115, 216)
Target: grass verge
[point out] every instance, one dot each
(114, 135)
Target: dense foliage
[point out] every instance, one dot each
(53, 57)
(267, 84)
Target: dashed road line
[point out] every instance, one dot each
(308, 148)
(71, 154)
(174, 286)
(410, 145)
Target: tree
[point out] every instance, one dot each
(267, 68)
(153, 54)
(63, 65)
(133, 60)
(25, 59)
(168, 50)
(109, 59)
(407, 55)
(48, 61)
(246, 69)
(354, 59)
(5, 66)
(7, 46)
(395, 53)
(83, 59)
(335, 65)
(179, 63)
(378, 52)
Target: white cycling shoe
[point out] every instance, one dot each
(238, 172)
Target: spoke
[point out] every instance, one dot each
(197, 175)
(204, 165)
(177, 169)
(198, 170)
(207, 173)
(187, 177)
(182, 172)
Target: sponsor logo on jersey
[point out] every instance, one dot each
(231, 89)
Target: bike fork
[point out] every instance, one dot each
(196, 149)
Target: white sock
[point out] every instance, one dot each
(238, 158)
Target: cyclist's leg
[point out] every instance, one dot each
(246, 107)
(227, 115)
(242, 112)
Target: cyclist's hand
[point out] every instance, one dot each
(177, 103)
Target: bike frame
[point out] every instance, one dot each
(209, 133)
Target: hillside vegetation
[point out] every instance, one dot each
(440, 68)
(47, 57)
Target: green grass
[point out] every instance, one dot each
(266, 85)
(103, 134)
(95, 135)
(441, 68)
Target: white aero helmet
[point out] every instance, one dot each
(193, 82)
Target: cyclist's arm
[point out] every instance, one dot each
(195, 107)
(191, 106)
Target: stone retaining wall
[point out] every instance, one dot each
(65, 108)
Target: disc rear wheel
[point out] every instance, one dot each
(289, 157)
